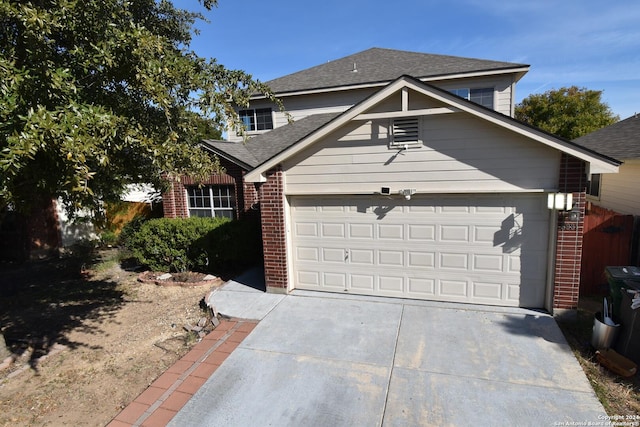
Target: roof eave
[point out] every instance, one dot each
(227, 156)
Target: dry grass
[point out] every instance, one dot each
(87, 337)
(618, 395)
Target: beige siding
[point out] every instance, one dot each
(502, 85)
(620, 192)
(460, 154)
(301, 106)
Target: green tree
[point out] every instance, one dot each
(567, 112)
(98, 94)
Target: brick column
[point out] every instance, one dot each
(251, 200)
(568, 258)
(273, 232)
(174, 202)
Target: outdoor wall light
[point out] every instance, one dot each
(408, 192)
(560, 201)
(574, 213)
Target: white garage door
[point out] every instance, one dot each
(476, 249)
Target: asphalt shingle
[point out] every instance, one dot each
(377, 65)
(267, 145)
(620, 140)
(235, 151)
(262, 147)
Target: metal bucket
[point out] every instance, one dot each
(603, 335)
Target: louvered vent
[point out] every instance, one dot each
(405, 132)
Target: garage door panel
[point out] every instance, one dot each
(391, 231)
(514, 263)
(486, 290)
(421, 233)
(335, 281)
(421, 287)
(475, 249)
(421, 259)
(362, 282)
(333, 255)
(307, 253)
(362, 256)
(453, 261)
(415, 210)
(490, 209)
(488, 263)
(513, 292)
(306, 229)
(361, 231)
(308, 279)
(391, 285)
(484, 234)
(390, 258)
(458, 206)
(333, 208)
(454, 233)
(330, 230)
(453, 288)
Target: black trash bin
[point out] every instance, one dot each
(616, 276)
(628, 338)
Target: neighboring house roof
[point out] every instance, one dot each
(330, 122)
(378, 66)
(262, 147)
(620, 140)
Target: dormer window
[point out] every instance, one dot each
(404, 133)
(257, 119)
(483, 96)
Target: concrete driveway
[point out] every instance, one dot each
(318, 359)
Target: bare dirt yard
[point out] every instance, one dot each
(87, 338)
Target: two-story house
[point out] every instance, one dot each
(404, 174)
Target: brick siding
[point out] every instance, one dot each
(568, 257)
(273, 231)
(174, 200)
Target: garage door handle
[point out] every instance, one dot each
(346, 254)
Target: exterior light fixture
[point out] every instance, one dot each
(574, 214)
(560, 201)
(408, 192)
(563, 202)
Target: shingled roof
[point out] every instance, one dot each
(620, 140)
(264, 146)
(381, 66)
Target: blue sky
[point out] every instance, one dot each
(587, 43)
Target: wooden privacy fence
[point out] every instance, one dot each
(608, 241)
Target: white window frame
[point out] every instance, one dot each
(405, 132)
(216, 201)
(468, 93)
(254, 125)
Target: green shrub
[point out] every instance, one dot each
(168, 244)
(130, 229)
(108, 238)
(233, 246)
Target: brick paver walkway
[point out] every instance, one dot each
(159, 403)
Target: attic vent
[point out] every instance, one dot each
(405, 133)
